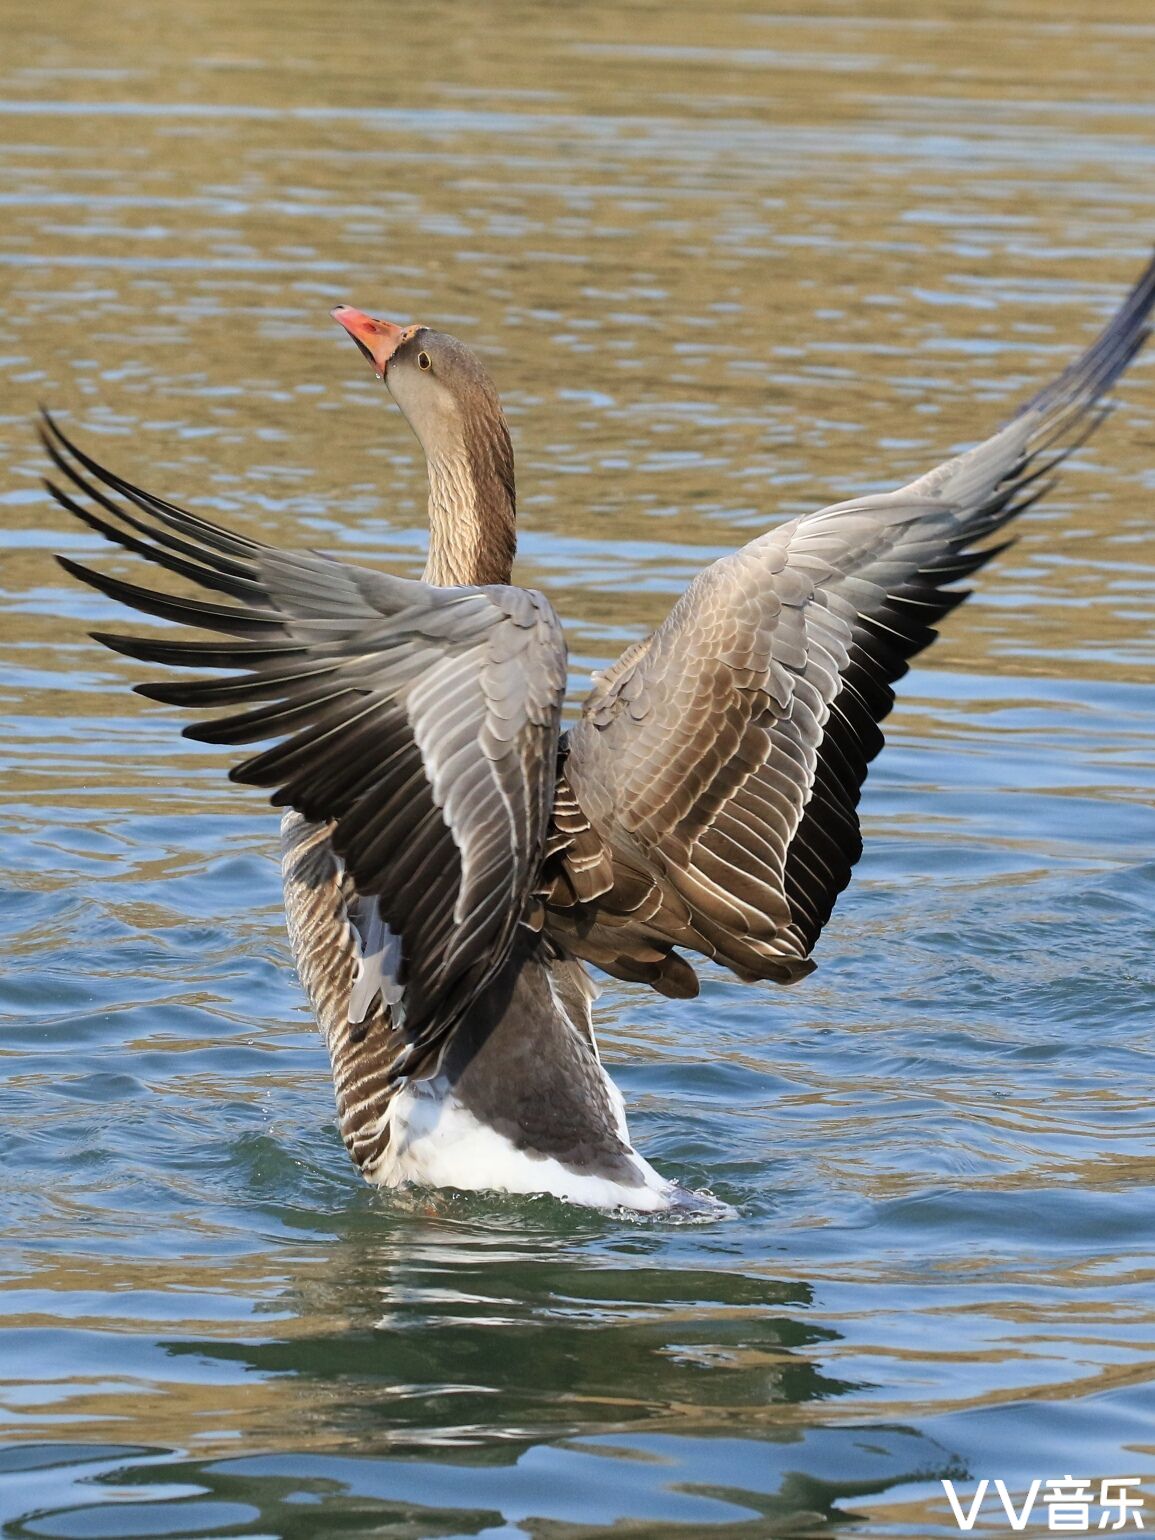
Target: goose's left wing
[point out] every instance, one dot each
(708, 795)
(421, 722)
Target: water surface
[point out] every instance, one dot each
(719, 279)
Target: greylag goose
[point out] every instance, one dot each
(453, 861)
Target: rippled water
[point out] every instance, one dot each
(718, 280)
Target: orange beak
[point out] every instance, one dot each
(378, 340)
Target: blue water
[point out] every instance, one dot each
(717, 281)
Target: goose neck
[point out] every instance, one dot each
(471, 520)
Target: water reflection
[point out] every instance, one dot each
(445, 1335)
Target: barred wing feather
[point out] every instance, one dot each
(420, 722)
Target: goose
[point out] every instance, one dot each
(454, 863)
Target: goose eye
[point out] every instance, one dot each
(424, 361)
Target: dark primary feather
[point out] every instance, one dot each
(421, 721)
(708, 796)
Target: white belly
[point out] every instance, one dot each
(435, 1141)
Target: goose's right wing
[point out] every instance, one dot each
(420, 722)
(708, 796)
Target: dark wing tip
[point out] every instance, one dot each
(1101, 364)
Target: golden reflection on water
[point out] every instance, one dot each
(715, 282)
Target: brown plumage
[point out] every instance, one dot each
(448, 853)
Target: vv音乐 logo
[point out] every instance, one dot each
(1073, 1505)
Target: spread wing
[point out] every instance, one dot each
(708, 795)
(420, 722)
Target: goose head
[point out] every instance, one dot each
(448, 399)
